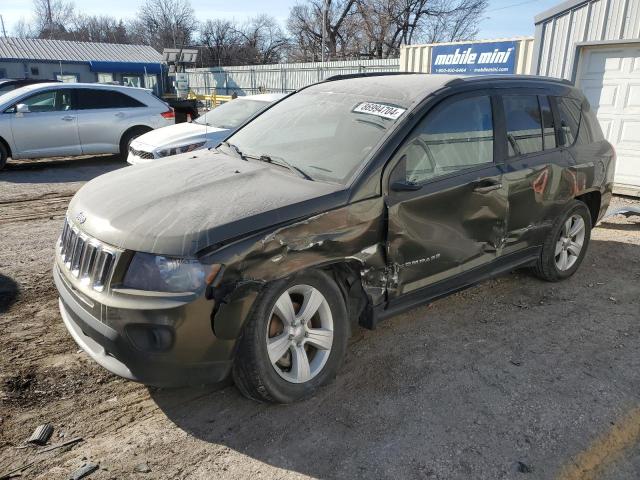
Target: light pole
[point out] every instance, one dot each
(324, 27)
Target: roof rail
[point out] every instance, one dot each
(347, 76)
(538, 78)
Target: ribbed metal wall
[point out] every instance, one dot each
(285, 77)
(559, 34)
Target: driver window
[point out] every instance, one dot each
(454, 137)
(49, 101)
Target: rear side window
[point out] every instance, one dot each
(89, 99)
(524, 124)
(458, 136)
(574, 130)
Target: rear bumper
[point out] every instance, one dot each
(112, 347)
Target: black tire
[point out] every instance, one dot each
(546, 267)
(253, 372)
(4, 155)
(126, 140)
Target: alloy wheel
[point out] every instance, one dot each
(300, 333)
(570, 243)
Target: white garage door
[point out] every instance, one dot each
(610, 78)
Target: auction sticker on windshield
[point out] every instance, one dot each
(380, 110)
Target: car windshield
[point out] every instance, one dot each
(231, 114)
(327, 135)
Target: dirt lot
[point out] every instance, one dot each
(515, 378)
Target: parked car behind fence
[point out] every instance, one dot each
(62, 119)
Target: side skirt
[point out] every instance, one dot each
(444, 288)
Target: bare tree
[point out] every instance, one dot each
(52, 18)
(165, 23)
(220, 40)
(264, 40)
(92, 28)
(305, 24)
(377, 28)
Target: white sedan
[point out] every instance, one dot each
(204, 132)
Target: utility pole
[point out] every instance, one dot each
(324, 27)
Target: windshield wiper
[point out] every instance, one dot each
(235, 149)
(283, 163)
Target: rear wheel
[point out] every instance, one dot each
(294, 341)
(566, 244)
(129, 137)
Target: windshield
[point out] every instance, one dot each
(327, 135)
(232, 114)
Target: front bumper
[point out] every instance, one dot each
(195, 355)
(133, 159)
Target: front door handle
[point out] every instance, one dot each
(486, 186)
(119, 114)
(68, 118)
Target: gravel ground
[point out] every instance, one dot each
(515, 378)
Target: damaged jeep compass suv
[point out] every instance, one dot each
(342, 204)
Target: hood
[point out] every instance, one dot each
(179, 207)
(176, 135)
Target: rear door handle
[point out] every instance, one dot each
(68, 118)
(486, 186)
(120, 114)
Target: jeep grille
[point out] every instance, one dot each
(86, 258)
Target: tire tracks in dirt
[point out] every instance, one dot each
(48, 205)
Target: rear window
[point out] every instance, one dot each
(524, 124)
(232, 114)
(88, 99)
(574, 129)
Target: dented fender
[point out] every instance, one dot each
(318, 241)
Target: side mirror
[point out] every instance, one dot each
(398, 179)
(405, 186)
(22, 108)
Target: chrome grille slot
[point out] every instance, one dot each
(87, 259)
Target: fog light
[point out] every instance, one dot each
(150, 338)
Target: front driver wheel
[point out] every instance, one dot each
(294, 341)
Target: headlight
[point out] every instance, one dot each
(183, 149)
(164, 274)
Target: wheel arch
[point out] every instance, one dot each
(232, 308)
(6, 145)
(593, 201)
(134, 128)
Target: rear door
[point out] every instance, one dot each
(446, 204)
(538, 177)
(49, 129)
(103, 116)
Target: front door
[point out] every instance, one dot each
(446, 204)
(49, 128)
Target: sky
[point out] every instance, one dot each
(504, 18)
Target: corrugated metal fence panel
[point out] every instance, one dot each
(417, 58)
(285, 77)
(590, 21)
